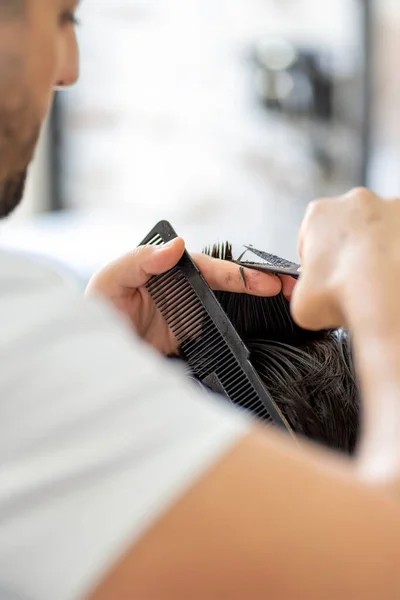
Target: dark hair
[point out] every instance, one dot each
(310, 375)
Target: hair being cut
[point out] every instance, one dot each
(309, 375)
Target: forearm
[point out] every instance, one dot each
(374, 318)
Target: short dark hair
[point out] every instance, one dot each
(310, 375)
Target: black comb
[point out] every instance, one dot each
(209, 342)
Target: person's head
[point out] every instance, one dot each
(38, 53)
(308, 374)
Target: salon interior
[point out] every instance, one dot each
(225, 117)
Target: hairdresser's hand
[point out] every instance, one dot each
(350, 250)
(123, 282)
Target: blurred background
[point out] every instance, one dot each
(225, 117)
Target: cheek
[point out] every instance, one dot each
(42, 63)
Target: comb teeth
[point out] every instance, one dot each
(202, 344)
(271, 259)
(156, 240)
(215, 352)
(178, 304)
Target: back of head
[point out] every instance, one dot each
(308, 374)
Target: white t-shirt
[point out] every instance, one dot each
(98, 435)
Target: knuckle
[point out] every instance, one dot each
(316, 210)
(361, 196)
(136, 255)
(145, 250)
(319, 207)
(359, 191)
(315, 206)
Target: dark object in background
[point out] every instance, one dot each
(300, 82)
(367, 94)
(309, 374)
(294, 80)
(56, 156)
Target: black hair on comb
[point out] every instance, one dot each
(212, 347)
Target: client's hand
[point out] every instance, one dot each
(123, 282)
(350, 251)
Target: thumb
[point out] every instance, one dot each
(154, 260)
(135, 268)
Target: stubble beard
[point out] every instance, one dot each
(11, 193)
(13, 151)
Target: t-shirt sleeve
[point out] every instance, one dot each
(98, 437)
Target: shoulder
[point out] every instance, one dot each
(35, 294)
(98, 434)
(29, 285)
(47, 326)
(31, 269)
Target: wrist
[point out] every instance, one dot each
(370, 302)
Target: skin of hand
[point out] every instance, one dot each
(348, 246)
(350, 252)
(274, 519)
(269, 520)
(123, 283)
